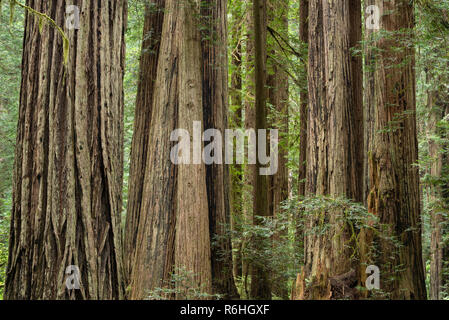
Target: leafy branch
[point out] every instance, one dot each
(42, 19)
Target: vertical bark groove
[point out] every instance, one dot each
(69, 164)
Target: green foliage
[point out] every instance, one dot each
(274, 251)
(432, 37)
(182, 284)
(133, 50)
(278, 252)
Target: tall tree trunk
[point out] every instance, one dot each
(355, 38)
(333, 137)
(367, 235)
(260, 281)
(394, 197)
(369, 103)
(297, 291)
(438, 202)
(173, 229)
(304, 38)
(215, 108)
(278, 98)
(154, 18)
(69, 164)
(236, 173)
(249, 172)
(192, 241)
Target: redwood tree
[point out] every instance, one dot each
(394, 178)
(215, 111)
(260, 280)
(185, 207)
(69, 164)
(154, 17)
(333, 161)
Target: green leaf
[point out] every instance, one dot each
(66, 50)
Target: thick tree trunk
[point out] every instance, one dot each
(439, 205)
(215, 108)
(192, 241)
(394, 181)
(154, 18)
(173, 229)
(333, 137)
(69, 164)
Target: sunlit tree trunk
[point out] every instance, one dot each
(173, 230)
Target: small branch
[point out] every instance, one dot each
(42, 17)
(275, 35)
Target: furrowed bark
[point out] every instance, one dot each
(157, 217)
(69, 162)
(332, 157)
(215, 109)
(297, 290)
(154, 18)
(173, 230)
(394, 185)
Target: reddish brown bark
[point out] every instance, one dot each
(69, 164)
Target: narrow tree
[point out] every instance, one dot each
(297, 290)
(236, 111)
(154, 17)
(304, 38)
(249, 171)
(69, 164)
(215, 111)
(278, 94)
(260, 281)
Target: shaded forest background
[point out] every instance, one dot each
(283, 257)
